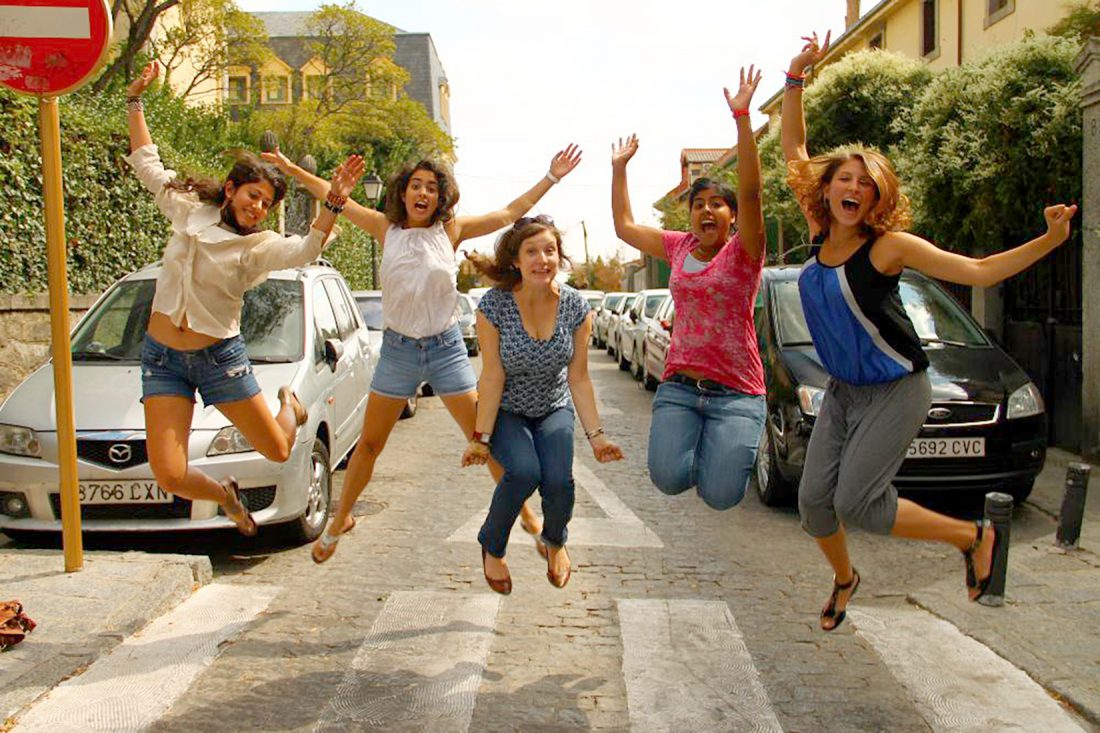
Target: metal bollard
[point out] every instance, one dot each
(1073, 505)
(998, 510)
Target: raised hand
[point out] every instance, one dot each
(277, 159)
(347, 174)
(747, 88)
(811, 53)
(147, 76)
(565, 161)
(1058, 220)
(604, 450)
(624, 151)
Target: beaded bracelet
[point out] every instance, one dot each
(592, 434)
(135, 104)
(335, 208)
(796, 81)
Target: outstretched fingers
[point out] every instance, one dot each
(565, 160)
(347, 175)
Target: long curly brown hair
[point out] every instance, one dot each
(810, 179)
(399, 181)
(247, 169)
(501, 267)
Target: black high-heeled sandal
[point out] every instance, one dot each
(830, 612)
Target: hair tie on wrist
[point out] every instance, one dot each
(552, 178)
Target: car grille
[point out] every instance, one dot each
(99, 452)
(961, 467)
(178, 509)
(259, 498)
(960, 413)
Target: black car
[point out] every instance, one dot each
(986, 430)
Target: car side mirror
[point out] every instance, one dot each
(334, 351)
(666, 324)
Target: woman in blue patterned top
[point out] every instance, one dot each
(534, 341)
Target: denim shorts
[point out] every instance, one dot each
(220, 372)
(406, 363)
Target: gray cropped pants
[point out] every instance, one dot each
(858, 443)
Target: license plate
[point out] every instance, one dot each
(123, 492)
(946, 448)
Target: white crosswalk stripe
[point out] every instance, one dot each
(957, 683)
(620, 528)
(420, 667)
(133, 686)
(687, 668)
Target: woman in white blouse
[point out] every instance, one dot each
(193, 342)
(419, 233)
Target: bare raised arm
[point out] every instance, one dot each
(135, 115)
(899, 250)
(469, 227)
(372, 222)
(750, 210)
(646, 239)
(793, 130)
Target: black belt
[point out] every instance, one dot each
(703, 385)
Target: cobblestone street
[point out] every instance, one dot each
(677, 617)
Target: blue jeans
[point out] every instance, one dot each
(704, 438)
(534, 452)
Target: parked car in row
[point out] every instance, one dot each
(607, 306)
(301, 328)
(594, 297)
(632, 329)
(615, 323)
(370, 308)
(986, 429)
(467, 321)
(658, 336)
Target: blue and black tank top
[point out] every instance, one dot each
(857, 321)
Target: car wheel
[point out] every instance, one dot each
(772, 488)
(636, 366)
(1020, 492)
(410, 407)
(648, 379)
(318, 496)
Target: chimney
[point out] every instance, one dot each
(852, 16)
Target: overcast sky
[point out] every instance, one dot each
(528, 77)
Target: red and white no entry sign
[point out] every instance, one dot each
(51, 47)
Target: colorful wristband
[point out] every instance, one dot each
(737, 113)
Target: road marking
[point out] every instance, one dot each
(134, 685)
(621, 528)
(957, 683)
(687, 668)
(32, 21)
(420, 666)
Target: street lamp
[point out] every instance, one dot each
(372, 187)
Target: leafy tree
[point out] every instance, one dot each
(606, 275)
(204, 38)
(1081, 21)
(139, 18)
(674, 214)
(993, 141)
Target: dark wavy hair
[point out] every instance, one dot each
(723, 190)
(247, 169)
(501, 267)
(395, 192)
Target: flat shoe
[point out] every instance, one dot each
(235, 509)
(502, 586)
(559, 581)
(288, 396)
(325, 546)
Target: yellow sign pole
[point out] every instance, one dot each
(49, 129)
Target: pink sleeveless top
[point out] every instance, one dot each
(714, 333)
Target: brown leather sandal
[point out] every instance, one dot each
(235, 509)
(286, 395)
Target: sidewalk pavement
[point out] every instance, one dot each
(1050, 623)
(82, 615)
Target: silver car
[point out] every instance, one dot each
(632, 326)
(603, 317)
(658, 337)
(301, 328)
(467, 321)
(615, 323)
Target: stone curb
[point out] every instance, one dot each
(82, 616)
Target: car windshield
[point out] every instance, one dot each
(271, 323)
(612, 302)
(652, 303)
(594, 300)
(936, 316)
(371, 309)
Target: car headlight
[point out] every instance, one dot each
(810, 399)
(19, 441)
(1025, 402)
(229, 440)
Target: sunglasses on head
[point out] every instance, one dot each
(540, 219)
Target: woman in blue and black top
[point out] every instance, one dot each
(879, 393)
(534, 341)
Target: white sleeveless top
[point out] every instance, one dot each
(419, 281)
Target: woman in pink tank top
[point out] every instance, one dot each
(709, 410)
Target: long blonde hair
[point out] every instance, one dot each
(810, 178)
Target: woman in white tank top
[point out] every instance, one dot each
(419, 233)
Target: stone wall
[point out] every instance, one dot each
(25, 334)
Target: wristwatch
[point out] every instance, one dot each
(480, 438)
